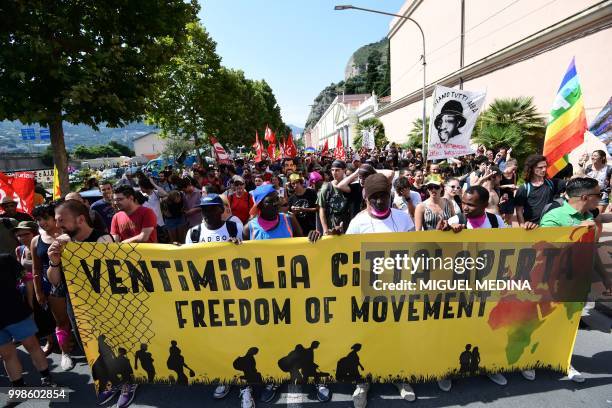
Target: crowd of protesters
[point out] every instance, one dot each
(373, 191)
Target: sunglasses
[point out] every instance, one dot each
(596, 195)
(454, 187)
(238, 183)
(433, 187)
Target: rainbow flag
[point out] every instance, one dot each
(567, 122)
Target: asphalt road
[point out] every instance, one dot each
(592, 356)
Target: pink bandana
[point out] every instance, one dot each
(477, 222)
(267, 225)
(379, 214)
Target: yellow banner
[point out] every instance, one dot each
(288, 309)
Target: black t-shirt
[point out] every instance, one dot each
(534, 202)
(307, 220)
(422, 191)
(356, 200)
(13, 308)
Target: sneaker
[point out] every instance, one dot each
(405, 391)
(246, 398)
(445, 384)
(323, 393)
(528, 374)
(66, 363)
(47, 382)
(106, 395)
(268, 393)
(575, 375)
(128, 391)
(360, 396)
(221, 391)
(498, 379)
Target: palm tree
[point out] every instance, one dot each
(511, 122)
(415, 136)
(380, 140)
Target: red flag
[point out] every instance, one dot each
(325, 149)
(256, 144)
(272, 151)
(19, 187)
(222, 156)
(339, 153)
(290, 149)
(269, 136)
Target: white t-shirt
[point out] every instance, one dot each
(500, 222)
(154, 203)
(397, 221)
(218, 235)
(401, 204)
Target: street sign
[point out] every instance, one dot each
(28, 134)
(45, 134)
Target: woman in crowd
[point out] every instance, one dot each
(54, 296)
(452, 192)
(418, 186)
(600, 171)
(173, 209)
(436, 208)
(508, 186)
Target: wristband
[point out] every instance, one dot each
(55, 265)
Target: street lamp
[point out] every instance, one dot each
(349, 7)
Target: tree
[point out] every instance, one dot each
(185, 96)
(84, 62)
(122, 149)
(415, 136)
(113, 149)
(380, 140)
(176, 145)
(511, 122)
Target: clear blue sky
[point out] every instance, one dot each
(298, 47)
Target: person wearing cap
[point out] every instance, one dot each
(334, 203)
(239, 199)
(9, 206)
(379, 217)
(24, 232)
(303, 203)
(269, 223)
(434, 210)
(213, 228)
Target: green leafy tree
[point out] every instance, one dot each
(380, 140)
(84, 61)
(511, 122)
(415, 136)
(122, 149)
(176, 145)
(183, 104)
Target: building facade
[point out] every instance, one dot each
(341, 117)
(505, 47)
(149, 145)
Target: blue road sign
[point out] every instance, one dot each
(28, 134)
(45, 134)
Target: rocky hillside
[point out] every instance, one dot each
(366, 71)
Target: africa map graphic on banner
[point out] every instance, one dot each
(263, 316)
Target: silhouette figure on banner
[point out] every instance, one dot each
(248, 366)
(309, 367)
(124, 368)
(347, 368)
(104, 369)
(146, 362)
(292, 363)
(475, 361)
(469, 359)
(176, 363)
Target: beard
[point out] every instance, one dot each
(71, 233)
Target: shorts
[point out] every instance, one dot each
(59, 291)
(18, 331)
(174, 223)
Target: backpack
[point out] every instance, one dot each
(492, 219)
(232, 230)
(336, 200)
(548, 182)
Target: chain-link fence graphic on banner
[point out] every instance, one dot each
(121, 319)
